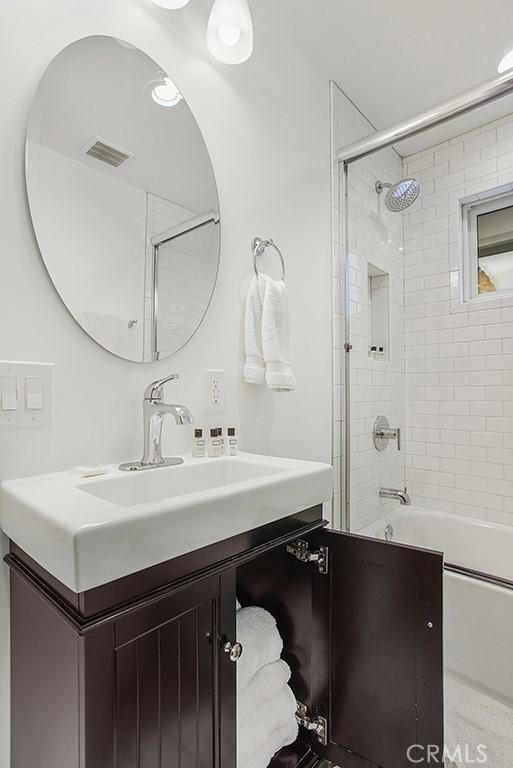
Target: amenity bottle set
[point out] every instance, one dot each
(215, 445)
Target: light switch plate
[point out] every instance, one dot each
(9, 393)
(34, 404)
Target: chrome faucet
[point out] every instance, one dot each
(154, 410)
(395, 493)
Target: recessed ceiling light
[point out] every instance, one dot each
(166, 94)
(506, 62)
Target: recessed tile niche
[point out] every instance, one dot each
(378, 305)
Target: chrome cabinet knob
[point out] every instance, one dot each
(234, 650)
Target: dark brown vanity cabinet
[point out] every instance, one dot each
(137, 674)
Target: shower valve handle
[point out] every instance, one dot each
(392, 433)
(383, 432)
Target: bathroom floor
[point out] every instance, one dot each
(471, 718)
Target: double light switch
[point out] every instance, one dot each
(26, 394)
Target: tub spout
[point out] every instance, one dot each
(395, 493)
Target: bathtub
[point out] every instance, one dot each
(478, 591)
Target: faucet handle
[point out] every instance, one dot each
(154, 390)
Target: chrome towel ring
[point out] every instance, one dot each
(259, 246)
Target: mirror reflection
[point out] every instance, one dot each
(123, 198)
(495, 250)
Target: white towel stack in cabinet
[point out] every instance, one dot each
(266, 705)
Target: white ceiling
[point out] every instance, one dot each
(395, 58)
(98, 87)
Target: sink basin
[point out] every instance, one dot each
(87, 532)
(145, 487)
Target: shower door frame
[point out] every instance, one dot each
(163, 238)
(460, 104)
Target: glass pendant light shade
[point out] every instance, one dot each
(230, 31)
(171, 5)
(506, 63)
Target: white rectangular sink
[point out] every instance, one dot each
(89, 532)
(145, 487)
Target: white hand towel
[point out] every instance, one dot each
(264, 685)
(260, 640)
(254, 368)
(270, 716)
(280, 737)
(267, 335)
(276, 336)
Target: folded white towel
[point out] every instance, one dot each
(267, 335)
(260, 639)
(276, 337)
(267, 683)
(254, 368)
(280, 737)
(237, 605)
(273, 714)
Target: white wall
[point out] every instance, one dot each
(266, 124)
(459, 356)
(377, 387)
(99, 269)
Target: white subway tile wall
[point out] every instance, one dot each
(377, 386)
(449, 381)
(459, 356)
(187, 269)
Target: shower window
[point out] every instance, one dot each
(488, 251)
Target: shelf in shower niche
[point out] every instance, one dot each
(378, 299)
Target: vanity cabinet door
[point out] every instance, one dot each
(167, 675)
(377, 667)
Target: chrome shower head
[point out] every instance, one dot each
(399, 195)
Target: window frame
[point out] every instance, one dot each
(470, 211)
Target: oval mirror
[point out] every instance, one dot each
(123, 198)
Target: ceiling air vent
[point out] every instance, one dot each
(106, 152)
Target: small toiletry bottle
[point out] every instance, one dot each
(221, 438)
(214, 444)
(198, 445)
(231, 443)
(373, 352)
(381, 353)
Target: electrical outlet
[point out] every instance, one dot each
(214, 381)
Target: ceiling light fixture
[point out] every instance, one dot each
(171, 5)
(230, 31)
(166, 94)
(505, 63)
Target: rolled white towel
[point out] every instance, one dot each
(266, 683)
(260, 640)
(280, 737)
(271, 716)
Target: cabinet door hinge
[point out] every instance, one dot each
(317, 725)
(300, 550)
